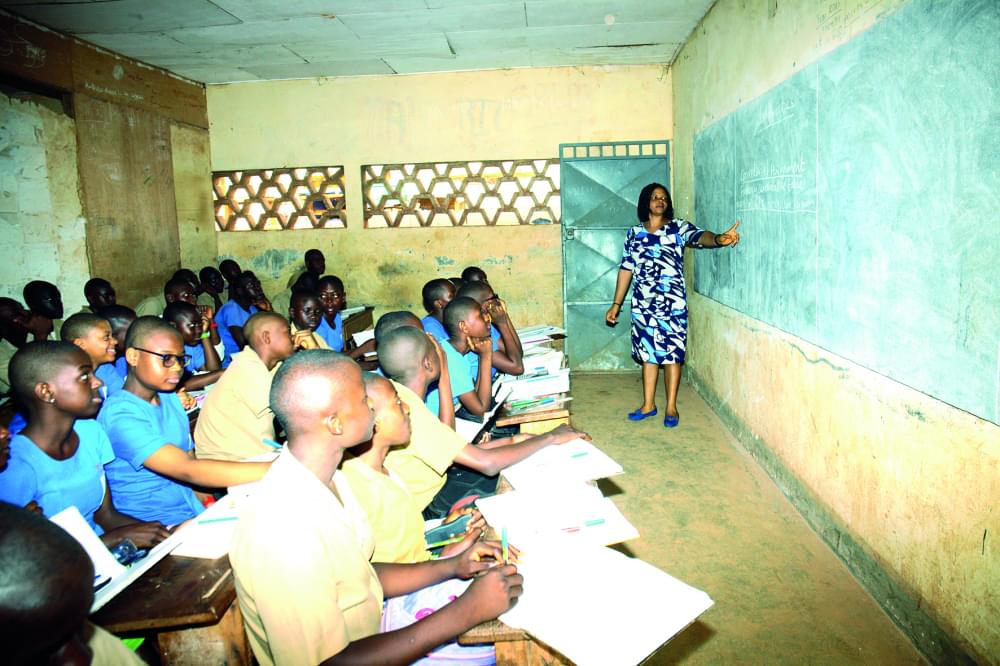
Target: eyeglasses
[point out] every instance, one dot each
(168, 359)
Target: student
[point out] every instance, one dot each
(200, 339)
(283, 301)
(409, 359)
(236, 421)
(245, 293)
(437, 294)
(213, 285)
(313, 263)
(58, 460)
(13, 335)
(45, 309)
(305, 312)
(153, 470)
(331, 327)
(46, 590)
(175, 289)
(508, 355)
(301, 551)
(440, 387)
(473, 274)
(120, 318)
(99, 294)
(92, 334)
(230, 270)
(468, 332)
(394, 515)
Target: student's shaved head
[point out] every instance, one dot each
(259, 321)
(117, 315)
(46, 586)
(299, 296)
(143, 328)
(436, 289)
(36, 363)
(390, 321)
(177, 285)
(402, 351)
(458, 311)
(229, 269)
(79, 325)
(473, 273)
(307, 385)
(480, 290)
(331, 281)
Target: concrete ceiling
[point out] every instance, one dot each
(222, 41)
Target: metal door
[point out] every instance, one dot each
(600, 185)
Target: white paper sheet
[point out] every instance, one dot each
(575, 461)
(106, 566)
(599, 607)
(577, 511)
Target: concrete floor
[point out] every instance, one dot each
(711, 517)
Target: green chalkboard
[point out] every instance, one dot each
(869, 189)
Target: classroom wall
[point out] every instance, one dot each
(190, 151)
(521, 113)
(902, 486)
(41, 218)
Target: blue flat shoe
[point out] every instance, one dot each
(639, 415)
(671, 421)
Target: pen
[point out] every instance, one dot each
(586, 523)
(503, 544)
(225, 519)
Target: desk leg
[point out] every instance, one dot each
(526, 653)
(224, 642)
(542, 427)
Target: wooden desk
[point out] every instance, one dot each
(188, 606)
(359, 321)
(538, 422)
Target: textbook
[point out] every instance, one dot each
(361, 337)
(110, 577)
(533, 385)
(542, 332)
(597, 606)
(577, 511)
(576, 461)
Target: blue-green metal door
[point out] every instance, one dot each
(600, 184)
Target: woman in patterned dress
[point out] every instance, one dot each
(653, 256)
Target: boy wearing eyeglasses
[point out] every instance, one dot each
(236, 421)
(154, 469)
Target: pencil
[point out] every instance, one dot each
(503, 544)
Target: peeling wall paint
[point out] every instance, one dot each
(903, 487)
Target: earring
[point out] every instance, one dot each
(52, 401)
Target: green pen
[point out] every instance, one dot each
(503, 544)
(226, 519)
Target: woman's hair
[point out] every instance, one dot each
(642, 207)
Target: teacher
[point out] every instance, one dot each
(654, 253)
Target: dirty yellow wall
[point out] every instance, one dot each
(41, 218)
(435, 117)
(189, 150)
(912, 481)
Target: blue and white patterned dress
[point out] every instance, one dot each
(659, 300)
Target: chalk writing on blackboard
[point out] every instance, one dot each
(773, 114)
(773, 187)
(136, 97)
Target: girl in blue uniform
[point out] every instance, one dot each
(58, 460)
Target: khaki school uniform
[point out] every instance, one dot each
(301, 562)
(236, 415)
(422, 463)
(395, 519)
(314, 341)
(154, 305)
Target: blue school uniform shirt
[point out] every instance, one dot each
(473, 357)
(333, 335)
(434, 327)
(58, 484)
(458, 373)
(113, 382)
(121, 366)
(231, 314)
(137, 429)
(197, 354)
